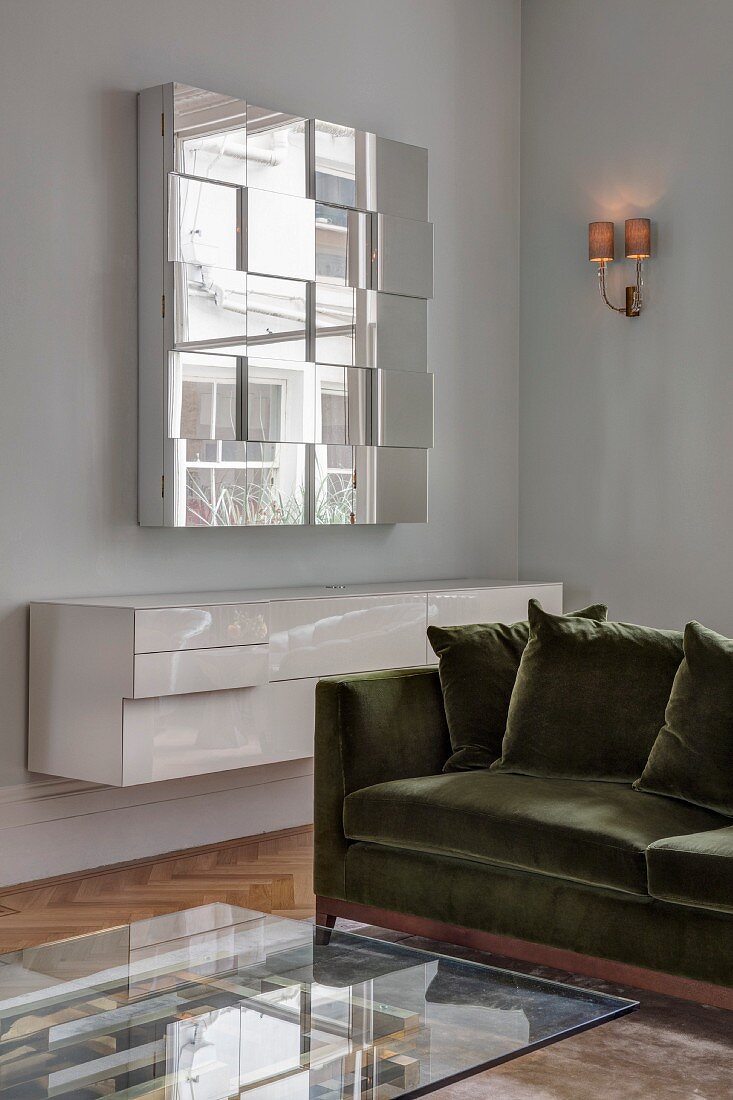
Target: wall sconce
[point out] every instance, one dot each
(638, 246)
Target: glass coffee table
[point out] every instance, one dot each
(220, 1002)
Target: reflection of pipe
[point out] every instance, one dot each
(224, 147)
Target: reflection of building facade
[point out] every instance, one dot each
(285, 323)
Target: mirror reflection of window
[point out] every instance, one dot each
(276, 317)
(203, 395)
(335, 319)
(221, 483)
(276, 151)
(332, 236)
(334, 493)
(210, 134)
(296, 385)
(211, 304)
(202, 222)
(335, 163)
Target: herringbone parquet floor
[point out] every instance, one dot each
(271, 873)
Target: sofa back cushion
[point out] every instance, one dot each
(589, 698)
(478, 667)
(692, 758)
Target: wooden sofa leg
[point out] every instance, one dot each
(325, 922)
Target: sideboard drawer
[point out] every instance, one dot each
(161, 629)
(168, 738)
(334, 637)
(199, 670)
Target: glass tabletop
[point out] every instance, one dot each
(221, 1002)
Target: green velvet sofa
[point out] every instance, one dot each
(589, 876)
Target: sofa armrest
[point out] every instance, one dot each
(370, 728)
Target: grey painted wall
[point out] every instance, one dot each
(440, 73)
(626, 427)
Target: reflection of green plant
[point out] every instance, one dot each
(234, 505)
(333, 502)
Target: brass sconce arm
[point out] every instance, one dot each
(634, 294)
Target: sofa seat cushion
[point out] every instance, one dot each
(693, 870)
(591, 832)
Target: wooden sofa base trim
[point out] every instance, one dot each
(688, 989)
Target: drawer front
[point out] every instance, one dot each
(338, 636)
(488, 605)
(199, 670)
(169, 738)
(161, 629)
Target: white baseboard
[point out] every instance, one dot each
(53, 827)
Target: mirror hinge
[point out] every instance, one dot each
(162, 124)
(162, 306)
(353, 480)
(162, 486)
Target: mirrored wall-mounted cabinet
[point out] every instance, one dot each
(285, 268)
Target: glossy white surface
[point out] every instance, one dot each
(135, 689)
(214, 731)
(200, 670)
(291, 592)
(343, 635)
(507, 605)
(168, 628)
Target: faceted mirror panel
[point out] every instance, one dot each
(202, 222)
(281, 235)
(210, 304)
(335, 163)
(210, 134)
(335, 329)
(276, 478)
(343, 396)
(332, 414)
(211, 483)
(281, 400)
(231, 484)
(342, 240)
(402, 409)
(276, 151)
(404, 256)
(365, 329)
(358, 169)
(396, 336)
(401, 179)
(391, 485)
(202, 394)
(276, 317)
(334, 479)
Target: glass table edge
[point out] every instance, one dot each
(624, 1004)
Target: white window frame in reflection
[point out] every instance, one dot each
(216, 371)
(291, 463)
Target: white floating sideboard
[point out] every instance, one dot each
(135, 689)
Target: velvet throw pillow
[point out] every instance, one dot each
(589, 698)
(692, 758)
(478, 667)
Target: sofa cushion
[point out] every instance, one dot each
(478, 667)
(594, 833)
(692, 757)
(693, 870)
(589, 698)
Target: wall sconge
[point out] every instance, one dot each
(638, 246)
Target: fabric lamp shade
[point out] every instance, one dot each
(637, 235)
(600, 241)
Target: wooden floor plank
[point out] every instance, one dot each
(271, 873)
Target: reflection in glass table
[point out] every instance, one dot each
(220, 1002)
